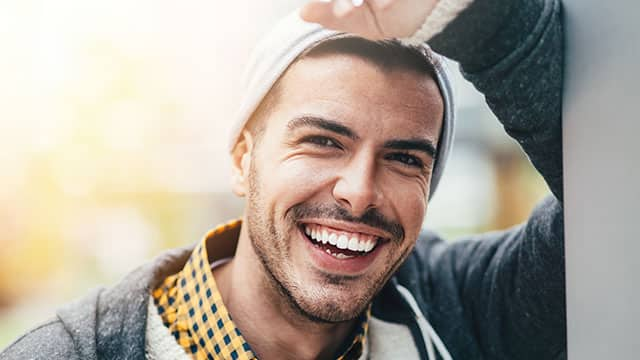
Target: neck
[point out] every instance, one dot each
(266, 319)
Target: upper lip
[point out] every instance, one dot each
(349, 227)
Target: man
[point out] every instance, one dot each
(339, 144)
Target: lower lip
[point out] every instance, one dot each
(355, 265)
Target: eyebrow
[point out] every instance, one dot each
(422, 145)
(321, 123)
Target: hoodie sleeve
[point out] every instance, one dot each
(512, 51)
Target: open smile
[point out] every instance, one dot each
(341, 244)
(340, 250)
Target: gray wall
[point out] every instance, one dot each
(602, 175)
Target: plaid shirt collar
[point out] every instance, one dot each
(192, 309)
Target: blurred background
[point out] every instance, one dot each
(114, 118)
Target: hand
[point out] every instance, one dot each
(371, 19)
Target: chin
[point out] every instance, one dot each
(330, 301)
(331, 311)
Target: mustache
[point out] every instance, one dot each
(372, 217)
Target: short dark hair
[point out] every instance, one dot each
(387, 54)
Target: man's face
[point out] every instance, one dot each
(339, 179)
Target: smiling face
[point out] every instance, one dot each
(337, 183)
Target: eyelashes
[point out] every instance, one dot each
(403, 158)
(322, 141)
(406, 159)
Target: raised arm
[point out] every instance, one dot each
(512, 51)
(512, 283)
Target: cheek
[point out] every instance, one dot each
(295, 180)
(414, 210)
(409, 203)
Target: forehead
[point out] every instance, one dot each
(349, 89)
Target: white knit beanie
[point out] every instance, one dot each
(291, 37)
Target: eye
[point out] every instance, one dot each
(321, 141)
(406, 159)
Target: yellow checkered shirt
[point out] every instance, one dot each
(192, 309)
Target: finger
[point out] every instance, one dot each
(320, 12)
(323, 12)
(351, 19)
(342, 8)
(381, 4)
(338, 15)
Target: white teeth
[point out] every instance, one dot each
(357, 242)
(370, 246)
(333, 239)
(354, 244)
(343, 242)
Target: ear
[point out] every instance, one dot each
(241, 162)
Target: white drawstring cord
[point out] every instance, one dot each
(429, 345)
(431, 337)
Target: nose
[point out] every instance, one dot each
(357, 187)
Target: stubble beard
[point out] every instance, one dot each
(310, 301)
